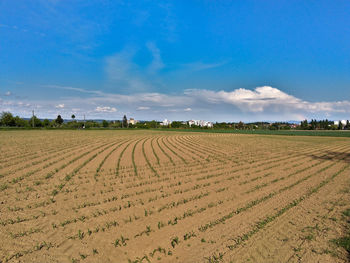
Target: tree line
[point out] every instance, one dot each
(8, 120)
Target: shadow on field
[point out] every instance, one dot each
(335, 156)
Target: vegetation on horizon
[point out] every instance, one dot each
(8, 120)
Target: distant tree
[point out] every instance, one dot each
(37, 122)
(46, 123)
(19, 122)
(73, 117)
(347, 126)
(240, 125)
(59, 120)
(313, 124)
(274, 126)
(7, 119)
(92, 124)
(304, 125)
(141, 125)
(125, 122)
(220, 125)
(152, 124)
(176, 124)
(116, 124)
(340, 126)
(105, 124)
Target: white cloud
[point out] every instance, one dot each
(262, 103)
(143, 108)
(105, 109)
(8, 93)
(266, 99)
(59, 106)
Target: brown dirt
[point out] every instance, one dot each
(115, 196)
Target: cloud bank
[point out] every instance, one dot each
(262, 103)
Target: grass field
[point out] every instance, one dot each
(156, 196)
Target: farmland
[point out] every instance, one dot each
(153, 196)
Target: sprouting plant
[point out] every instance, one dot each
(174, 241)
(160, 225)
(189, 235)
(120, 241)
(81, 234)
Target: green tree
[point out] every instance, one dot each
(116, 124)
(37, 122)
(240, 125)
(19, 122)
(141, 125)
(125, 122)
(340, 126)
(59, 120)
(105, 124)
(7, 119)
(46, 123)
(274, 126)
(73, 117)
(313, 124)
(176, 124)
(304, 125)
(152, 124)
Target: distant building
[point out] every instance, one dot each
(165, 123)
(132, 121)
(201, 123)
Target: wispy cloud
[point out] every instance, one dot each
(96, 92)
(262, 103)
(105, 109)
(123, 73)
(198, 66)
(126, 75)
(59, 106)
(143, 108)
(157, 62)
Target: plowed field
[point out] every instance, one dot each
(148, 196)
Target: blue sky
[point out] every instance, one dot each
(212, 60)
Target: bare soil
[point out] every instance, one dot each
(150, 196)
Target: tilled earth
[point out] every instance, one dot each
(149, 196)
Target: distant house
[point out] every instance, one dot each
(201, 123)
(132, 121)
(165, 123)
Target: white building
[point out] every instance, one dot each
(132, 121)
(200, 123)
(166, 122)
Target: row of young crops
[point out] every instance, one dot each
(147, 196)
